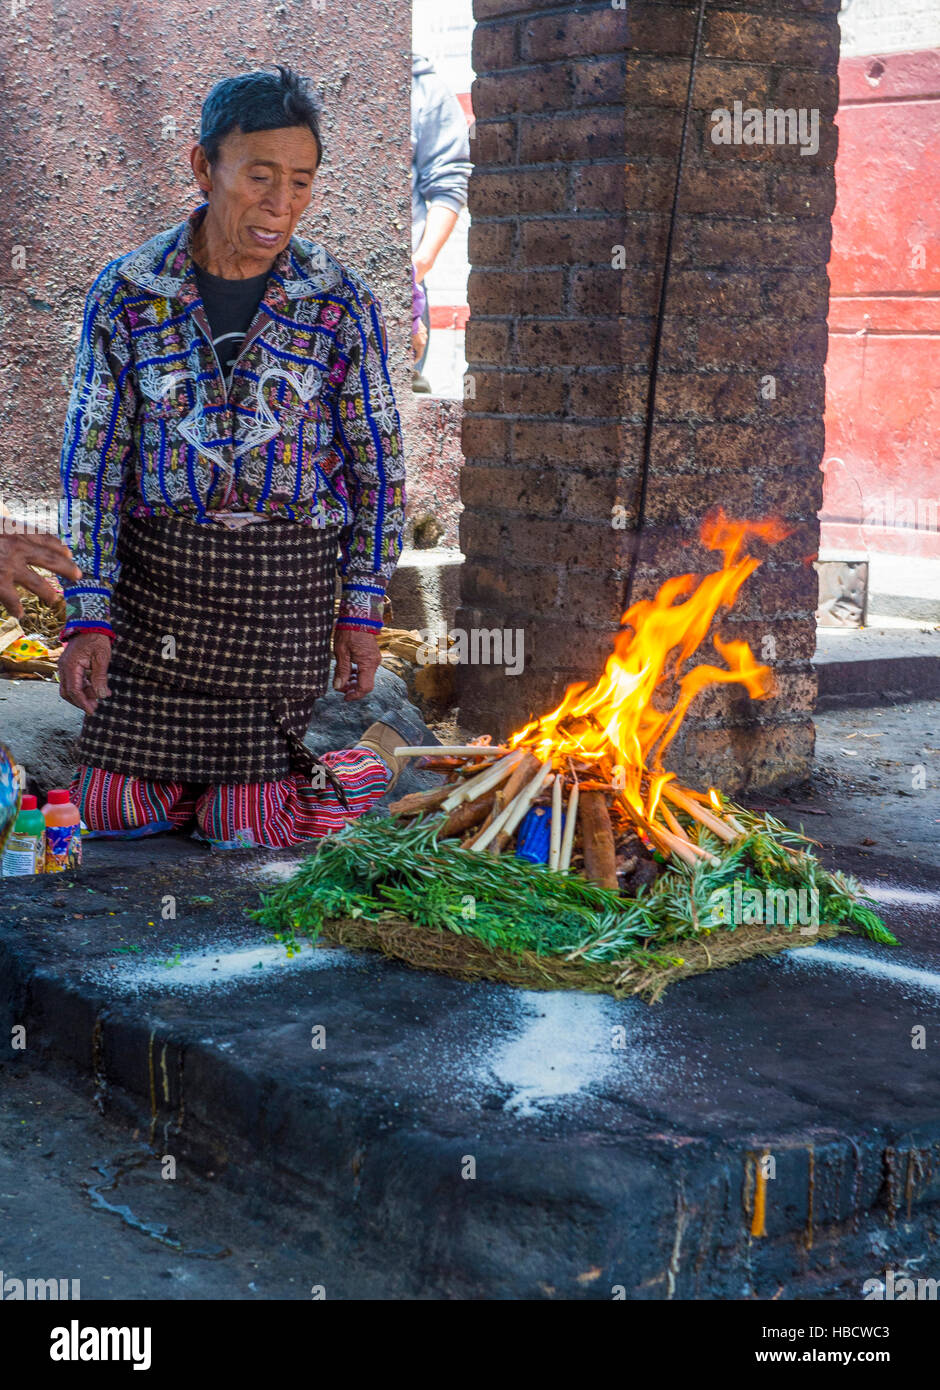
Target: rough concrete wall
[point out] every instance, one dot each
(99, 106)
(578, 125)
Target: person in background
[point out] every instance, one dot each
(440, 172)
(419, 329)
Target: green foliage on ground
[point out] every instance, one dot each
(383, 868)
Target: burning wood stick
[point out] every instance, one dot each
(707, 818)
(600, 860)
(467, 815)
(680, 834)
(463, 750)
(682, 849)
(512, 813)
(519, 779)
(567, 844)
(484, 781)
(554, 851)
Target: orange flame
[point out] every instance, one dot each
(614, 721)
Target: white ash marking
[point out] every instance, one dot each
(922, 981)
(221, 966)
(562, 1049)
(886, 893)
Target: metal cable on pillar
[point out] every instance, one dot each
(660, 316)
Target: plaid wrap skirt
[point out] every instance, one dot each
(222, 647)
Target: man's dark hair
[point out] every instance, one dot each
(258, 101)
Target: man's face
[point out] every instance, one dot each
(257, 189)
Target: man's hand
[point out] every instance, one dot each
(357, 660)
(83, 670)
(17, 554)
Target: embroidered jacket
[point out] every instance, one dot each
(309, 428)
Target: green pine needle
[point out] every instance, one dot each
(377, 865)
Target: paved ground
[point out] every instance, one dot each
(470, 1141)
(82, 1197)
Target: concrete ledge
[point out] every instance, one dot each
(869, 666)
(454, 1140)
(425, 588)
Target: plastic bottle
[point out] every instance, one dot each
(26, 848)
(63, 833)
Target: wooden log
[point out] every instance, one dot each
(467, 815)
(512, 813)
(692, 808)
(521, 774)
(499, 801)
(518, 807)
(600, 860)
(677, 830)
(464, 750)
(567, 844)
(554, 851)
(485, 781)
(416, 802)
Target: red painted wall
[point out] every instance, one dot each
(882, 489)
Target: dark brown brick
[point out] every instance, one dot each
(797, 296)
(498, 9)
(509, 589)
(521, 191)
(599, 188)
(794, 494)
(571, 35)
(484, 437)
(529, 491)
(786, 245)
(762, 345)
(713, 292)
(486, 342)
(755, 38)
(493, 46)
(601, 496)
(582, 135)
(490, 243)
(500, 292)
(566, 443)
(537, 392)
(569, 241)
(604, 292)
(686, 505)
(758, 447)
(564, 342)
(598, 393)
(492, 142)
(649, 187)
(809, 195)
(599, 82)
(652, 133)
(661, 29)
(746, 190)
(545, 88)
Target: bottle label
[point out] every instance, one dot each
(22, 856)
(60, 852)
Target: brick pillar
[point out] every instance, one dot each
(578, 121)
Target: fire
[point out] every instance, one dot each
(614, 722)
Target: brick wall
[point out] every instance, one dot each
(579, 115)
(100, 106)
